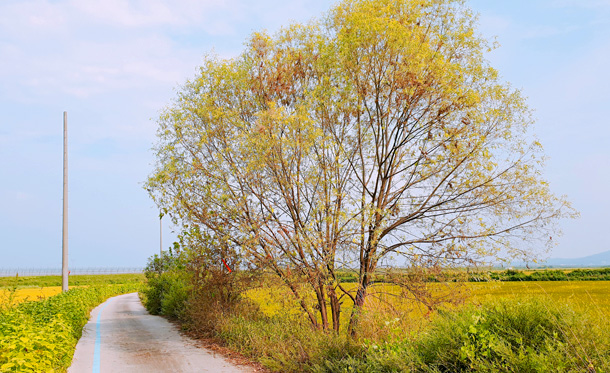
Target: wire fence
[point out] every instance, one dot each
(12, 272)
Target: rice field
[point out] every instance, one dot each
(75, 280)
(590, 295)
(14, 290)
(383, 306)
(10, 297)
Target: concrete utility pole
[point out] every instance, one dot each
(160, 235)
(64, 246)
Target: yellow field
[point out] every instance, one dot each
(383, 307)
(21, 295)
(14, 290)
(581, 295)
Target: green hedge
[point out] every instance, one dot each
(586, 274)
(41, 336)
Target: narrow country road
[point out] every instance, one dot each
(121, 336)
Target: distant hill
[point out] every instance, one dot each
(597, 260)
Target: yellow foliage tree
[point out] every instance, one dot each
(378, 135)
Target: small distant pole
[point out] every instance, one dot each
(160, 235)
(64, 246)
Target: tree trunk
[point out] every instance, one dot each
(322, 305)
(335, 308)
(358, 304)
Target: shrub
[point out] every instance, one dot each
(193, 285)
(216, 294)
(168, 284)
(166, 293)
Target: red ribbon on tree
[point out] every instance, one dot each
(226, 265)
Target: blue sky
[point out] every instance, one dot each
(113, 65)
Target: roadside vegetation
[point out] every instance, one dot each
(543, 326)
(40, 336)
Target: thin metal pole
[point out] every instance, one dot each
(160, 235)
(64, 246)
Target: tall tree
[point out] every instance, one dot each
(376, 134)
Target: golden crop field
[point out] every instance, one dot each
(593, 296)
(14, 290)
(14, 296)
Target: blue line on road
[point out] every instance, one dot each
(98, 340)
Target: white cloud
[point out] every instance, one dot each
(86, 48)
(30, 18)
(24, 20)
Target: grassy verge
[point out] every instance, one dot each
(41, 336)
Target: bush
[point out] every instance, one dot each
(166, 294)
(168, 285)
(192, 285)
(41, 336)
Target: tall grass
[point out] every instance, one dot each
(282, 343)
(530, 335)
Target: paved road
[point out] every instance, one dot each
(122, 337)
